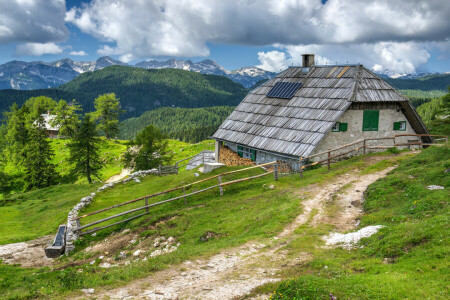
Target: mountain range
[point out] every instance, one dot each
(21, 75)
(138, 89)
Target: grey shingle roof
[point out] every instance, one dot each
(296, 126)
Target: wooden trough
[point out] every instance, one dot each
(59, 244)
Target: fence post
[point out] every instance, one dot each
(146, 203)
(275, 171)
(220, 186)
(301, 167)
(159, 168)
(364, 146)
(176, 168)
(328, 159)
(203, 159)
(184, 193)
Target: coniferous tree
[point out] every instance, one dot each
(151, 150)
(85, 150)
(107, 113)
(39, 171)
(66, 117)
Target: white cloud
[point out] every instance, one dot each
(38, 49)
(402, 57)
(36, 21)
(126, 58)
(78, 53)
(273, 61)
(184, 28)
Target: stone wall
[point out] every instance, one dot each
(72, 235)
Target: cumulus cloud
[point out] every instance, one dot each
(38, 49)
(33, 21)
(402, 57)
(183, 28)
(78, 53)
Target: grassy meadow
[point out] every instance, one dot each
(262, 212)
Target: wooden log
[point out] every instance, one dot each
(171, 190)
(325, 152)
(364, 147)
(128, 202)
(381, 138)
(245, 179)
(144, 207)
(106, 226)
(329, 160)
(300, 169)
(220, 187)
(275, 171)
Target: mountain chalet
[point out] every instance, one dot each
(311, 109)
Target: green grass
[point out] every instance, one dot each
(408, 259)
(34, 214)
(247, 211)
(30, 215)
(111, 156)
(182, 150)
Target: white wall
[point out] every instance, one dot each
(354, 119)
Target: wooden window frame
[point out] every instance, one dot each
(246, 152)
(398, 126)
(339, 127)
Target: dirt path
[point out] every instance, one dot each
(120, 176)
(236, 272)
(27, 254)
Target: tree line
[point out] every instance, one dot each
(24, 138)
(24, 141)
(190, 125)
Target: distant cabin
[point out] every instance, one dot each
(52, 131)
(310, 109)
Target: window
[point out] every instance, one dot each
(246, 153)
(338, 126)
(400, 125)
(370, 120)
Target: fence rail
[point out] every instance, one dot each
(277, 168)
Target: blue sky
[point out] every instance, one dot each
(403, 36)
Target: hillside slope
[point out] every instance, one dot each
(206, 225)
(140, 90)
(185, 124)
(426, 83)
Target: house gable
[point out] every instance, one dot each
(296, 126)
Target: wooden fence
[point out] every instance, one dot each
(279, 169)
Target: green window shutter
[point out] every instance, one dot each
(396, 125)
(370, 120)
(252, 154)
(343, 126)
(239, 152)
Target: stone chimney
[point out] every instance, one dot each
(307, 60)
